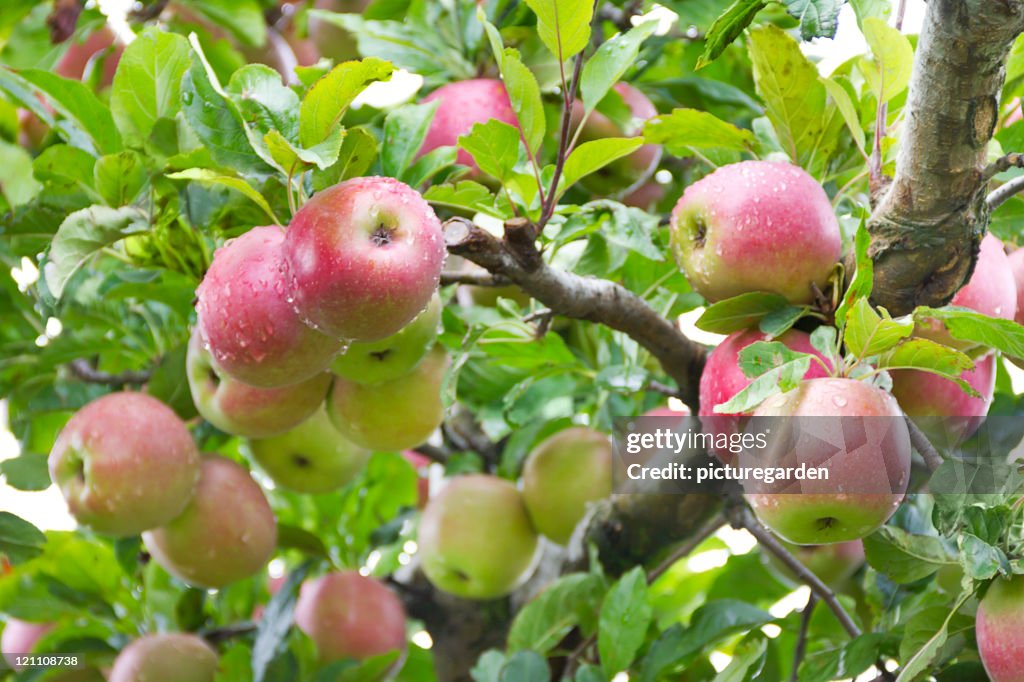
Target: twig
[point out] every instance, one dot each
(479, 279)
(465, 434)
(686, 548)
(801, 642)
(1004, 192)
(433, 453)
(85, 371)
(63, 20)
(1003, 163)
(924, 447)
(148, 12)
(223, 634)
(664, 389)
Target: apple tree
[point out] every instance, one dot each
(320, 316)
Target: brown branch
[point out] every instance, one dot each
(687, 547)
(478, 279)
(801, 642)
(1003, 163)
(1004, 192)
(63, 19)
(583, 298)
(85, 371)
(228, 632)
(433, 453)
(927, 227)
(924, 447)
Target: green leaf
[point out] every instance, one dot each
(846, 107)
(404, 130)
(782, 377)
(19, 539)
(294, 158)
(356, 156)
(926, 355)
(906, 558)
(265, 102)
(728, 27)
(65, 168)
(625, 615)
(611, 61)
(1005, 336)
(76, 102)
(818, 18)
(242, 18)
(920, 661)
(871, 8)
(846, 662)
(294, 537)
(468, 195)
(748, 655)
(119, 177)
(686, 130)
(740, 312)
(894, 59)
(147, 85)
(27, 472)
(273, 627)
(544, 621)
(525, 666)
(209, 177)
(494, 145)
(522, 88)
(82, 234)
(595, 155)
(17, 186)
(329, 98)
(867, 333)
(863, 275)
(778, 322)
(763, 356)
(980, 560)
(563, 25)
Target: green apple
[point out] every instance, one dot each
(562, 476)
(393, 415)
(227, 532)
(124, 463)
(249, 411)
(833, 564)
(475, 538)
(350, 616)
(374, 362)
(311, 458)
(168, 657)
(1000, 630)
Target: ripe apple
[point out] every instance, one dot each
(421, 463)
(868, 469)
(627, 174)
(723, 378)
(350, 616)
(373, 362)
(833, 564)
(311, 458)
(939, 407)
(124, 463)
(475, 538)
(246, 320)
(249, 411)
(19, 638)
(463, 104)
(999, 624)
(226, 533)
(564, 474)
(393, 415)
(756, 226)
(1016, 260)
(364, 258)
(167, 657)
(991, 290)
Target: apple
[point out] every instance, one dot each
(756, 226)
(350, 616)
(80, 56)
(627, 174)
(562, 476)
(667, 412)
(246, 320)
(421, 463)
(646, 196)
(373, 362)
(834, 564)
(991, 290)
(249, 411)
(226, 533)
(723, 378)
(331, 40)
(393, 415)
(1016, 260)
(463, 104)
(867, 470)
(311, 458)
(1000, 621)
(124, 463)
(939, 407)
(19, 638)
(476, 539)
(167, 657)
(364, 258)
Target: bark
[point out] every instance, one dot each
(927, 227)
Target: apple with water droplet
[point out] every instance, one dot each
(756, 226)
(166, 657)
(463, 104)
(124, 463)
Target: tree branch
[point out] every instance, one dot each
(924, 447)
(1004, 193)
(801, 642)
(584, 298)
(85, 371)
(479, 279)
(927, 227)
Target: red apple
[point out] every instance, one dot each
(999, 624)
(350, 616)
(124, 463)
(364, 258)
(19, 638)
(421, 463)
(627, 174)
(992, 291)
(722, 378)
(939, 407)
(247, 321)
(756, 226)
(463, 104)
(167, 657)
(243, 410)
(864, 448)
(227, 532)
(1016, 260)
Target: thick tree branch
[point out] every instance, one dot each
(927, 226)
(584, 298)
(1004, 193)
(85, 371)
